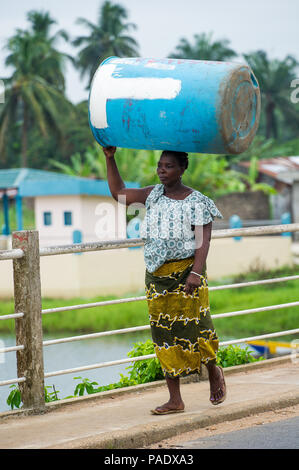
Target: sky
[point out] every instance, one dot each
(271, 25)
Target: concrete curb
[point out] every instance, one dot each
(140, 436)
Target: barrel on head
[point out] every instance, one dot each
(183, 105)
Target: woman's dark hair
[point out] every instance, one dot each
(181, 157)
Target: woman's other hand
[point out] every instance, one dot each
(109, 151)
(192, 283)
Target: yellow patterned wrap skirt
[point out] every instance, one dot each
(181, 325)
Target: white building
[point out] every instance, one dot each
(67, 209)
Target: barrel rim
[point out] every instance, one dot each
(234, 143)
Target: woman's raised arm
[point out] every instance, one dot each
(117, 186)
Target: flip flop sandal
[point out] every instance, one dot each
(221, 400)
(165, 412)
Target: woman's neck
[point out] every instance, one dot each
(174, 188)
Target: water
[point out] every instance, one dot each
(70, 355)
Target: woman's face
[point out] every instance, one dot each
(169, 170)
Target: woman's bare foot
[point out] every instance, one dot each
(169, 407)
(175, 403)
(217, 384)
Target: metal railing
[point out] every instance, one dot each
(28, 317)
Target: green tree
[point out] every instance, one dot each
(91, 164)
(203, 48)
(87, 165)
(261, 147)
(34, 93)
(211, 175)
(275, 77)
(108, 37)
(54, 60)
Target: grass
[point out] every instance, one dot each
(86, 320)
(253, 297)
(260, 322)
(135, 313)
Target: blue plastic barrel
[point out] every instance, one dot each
(173, 104)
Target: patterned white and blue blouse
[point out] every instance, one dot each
(167, 226)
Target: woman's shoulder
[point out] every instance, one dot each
(155, 189)
(206, 203)
(154, 192)
(198, 196)
(148, 189)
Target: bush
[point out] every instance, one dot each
(147, 370)
(234, 356)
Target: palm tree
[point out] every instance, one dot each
(275, 77)
(34, 92)
(54, 60)
(105, 38)
(203, 48)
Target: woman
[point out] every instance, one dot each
(177, 231)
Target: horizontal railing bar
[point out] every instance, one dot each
(92, 246)
(146, 327)
(13, 381)
(255, 310)
(99, 365)
(95, 335)
(127, 243)
(11, 254)
(11, 315)
(12, 348)
(254, 283)
(268, 335)
(92, 304)
(150, 356)
(253, 231)
(135, 299)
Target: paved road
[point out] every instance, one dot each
(278, 435)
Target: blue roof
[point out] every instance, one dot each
(31, 183)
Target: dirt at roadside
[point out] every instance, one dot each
(227, 426)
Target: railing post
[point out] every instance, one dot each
(27, 294)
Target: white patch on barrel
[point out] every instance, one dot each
(160, 66)
(104, 87)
